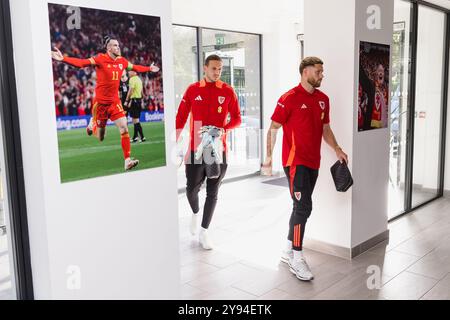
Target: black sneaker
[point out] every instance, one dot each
(134, 140)
(143, 139)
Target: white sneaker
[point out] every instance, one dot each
(130, 163)
(204, 239)
(286, 255)
(300, 268)
(194, 224)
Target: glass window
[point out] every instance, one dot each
(241, 69)
(428, 105)
(185, 59)
(241, 55)
(6, 279)
(425, 138)
(399, 106)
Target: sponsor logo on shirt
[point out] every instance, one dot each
(322, 105)
(281, 105)
(304, 106)
(221, 100)
(199, 98)
(219, 110)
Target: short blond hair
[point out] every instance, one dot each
(309, 61)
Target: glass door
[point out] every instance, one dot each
(428, 105)
(15, 259)
(241, 55)
(401, 56)
(185, 61)
(417, 106)
(7, 291)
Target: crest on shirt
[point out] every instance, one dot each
(120, 66)
(377, 100)
(221, 100)
(322, 105)
(298, 195)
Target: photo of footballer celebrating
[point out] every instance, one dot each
(88, 68)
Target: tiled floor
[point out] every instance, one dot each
(245, 263)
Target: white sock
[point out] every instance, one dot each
(204, 239)
(194, 223)
(298, 254)
(289, 245)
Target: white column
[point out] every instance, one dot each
(115, 236)
(348, 222)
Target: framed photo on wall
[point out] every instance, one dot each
(108, 91)
(373, 87)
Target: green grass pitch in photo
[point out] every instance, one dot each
(83, 157)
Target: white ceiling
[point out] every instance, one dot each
(442, 3)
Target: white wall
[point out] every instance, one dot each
(348, 219)
(124, 249)
(370, 148)
(277, 22)
(330, 220)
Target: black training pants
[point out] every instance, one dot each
(302, 181)
(195, 176)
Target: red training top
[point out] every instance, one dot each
(208, 104)
(109, 71)
(302, 115)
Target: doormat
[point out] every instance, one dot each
(281, 182)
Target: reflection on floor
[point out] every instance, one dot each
(245, 263)
(5, 277)
(397, 198)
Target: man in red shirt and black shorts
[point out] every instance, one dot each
(208, 103)
(304, 114)
(109, 67)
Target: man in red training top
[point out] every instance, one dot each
(109, 67)
(304, 114)
(208, 103)
(380, 108)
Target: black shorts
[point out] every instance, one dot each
(135, 108)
